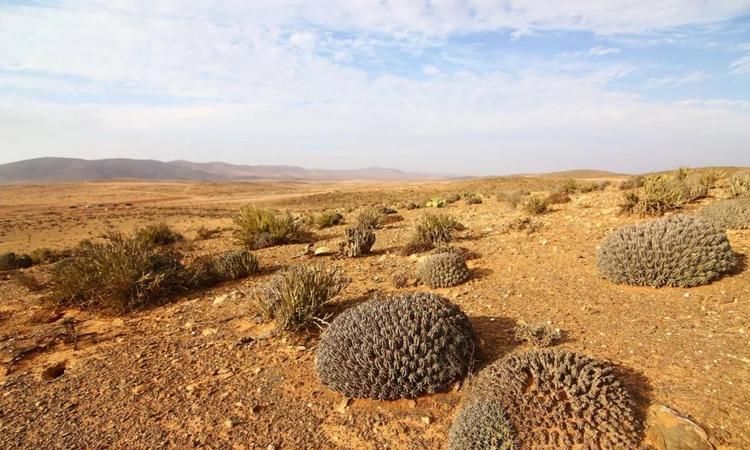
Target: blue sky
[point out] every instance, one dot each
(453, 86)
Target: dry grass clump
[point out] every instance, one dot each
(47, 255)
(681, 251)
(400, 346)
(437, 229)
(739, 185)
(12, 261)
(359, 240)
(328, 219)
(119, 274)
(157, 234)
(632, 183)
(557, 198)
(710, 177)
(557, 399)
(513, 198)
(227, 266)
(473, 199)
(259, 228)
(536, 205)
(540, 335)
(661, 194)
(453, 198)
(370, 217)
(482, 425)
(443, 270)
(203, 233)
(28, 281)
(731, 214)
(295, 297)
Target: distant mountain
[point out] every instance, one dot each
(582, 173)
(73, 169)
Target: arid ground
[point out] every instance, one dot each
(204, 372)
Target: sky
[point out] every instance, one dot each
(471, 87)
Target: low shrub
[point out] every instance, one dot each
(557, 198)
(259, 228)
(398, 346)
(473, 200)
(47, 255)
(227, 266)
(526, 224)
(513, 198)
(634, 182)
(359, 240)
(536, 205)
(731, 214)
(28, 281)
(12, 261)
(157, 234)
(453, 198)
(119, 274)
(739, 185)
(569, 186)
(436, 202)
(203, 233)
(436, 229)
(295, 297)
(677, 251)
(662, 194)
(370, 217)
(328, 219)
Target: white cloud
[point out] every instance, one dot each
(741, 66)
(603, 51)
(680, 80)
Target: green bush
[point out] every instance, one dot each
(295, 298)
(259, 228)
(119, 274)
(157, 234)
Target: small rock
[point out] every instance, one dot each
(666, 430)
(323, 251)
(426, 420)
(412, 403)
(220, 299)
(209, 331)
(342, 405)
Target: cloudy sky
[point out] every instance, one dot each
(450, 86)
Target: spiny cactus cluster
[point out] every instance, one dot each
(399, 346)
(359, 240)
(680, 251)
(560, 400)
(729, 214)
(482, 425)
(443, 270)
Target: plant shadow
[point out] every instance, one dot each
(641, 392)
(495, 338)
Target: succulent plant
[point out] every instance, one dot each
(729, 214)
(359, 240)
(680, 250)
(398, 346)
(482, 425)
(443, 270)
(558, 399)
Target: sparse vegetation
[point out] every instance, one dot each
(731, 214)
(473, 199)
(540, 335)
(203, 233)
(119, 274)
(12, 261)
(513, 198)
(370, 217)
(632, 183)
(259, 228)
(662, 194)
(359, 240)
(526, 224)
(436, 229)
(27, 281)
(557, 198)
(739, 185)
(536, 205)
(453, 198)
(681, 251)
(328, 219)
(295, 297)
(157, 234)
(227, 266)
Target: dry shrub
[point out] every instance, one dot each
(28, 281)
(739, 185)
(157, 234)
(512, 198)
(328, 219)
(453, 198)
(118, 274)
(203, 233)
(410, 206)
(227, 266)
(295, 297)
(437, 229)
(526, 224)
(400, 346)
(569, 186)
(539, 335)
(662, 194)
(634, 182)
(557, 198)
(710, 177)
(473, 199)
(370, 217)
(536, 205)
(47, 255)
(558, 399)
(259, 228)
(677, 251)
(12, 261)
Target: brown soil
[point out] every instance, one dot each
(205, 372)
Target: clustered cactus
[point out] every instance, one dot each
(482, 425)
(681, 251)
(359, 240)
(443, 270)
(558, 399)
(729, 214)
(399, 346)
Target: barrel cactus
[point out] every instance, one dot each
(682, 251)
(729, 214)
(443, 270)
(397, 346)
(558, 399)
(482, 425)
